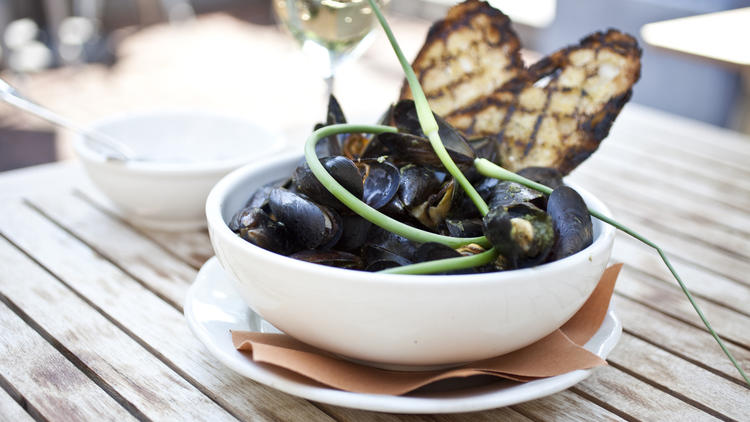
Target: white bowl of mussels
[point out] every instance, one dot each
(397, 321)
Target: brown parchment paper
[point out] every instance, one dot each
(556, 354)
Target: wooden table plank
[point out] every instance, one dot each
(116, 295)
(628, 181)
(100, 346)
(680, 222)
(346, 414)
(11, 411)
(683, 340)
(51, 386)
(565, 406)
(687, 381)
(141, 258)
(716, 287)
(667, 298)
(673, 160)
(649, 125)
(192, 247)
(635, 398)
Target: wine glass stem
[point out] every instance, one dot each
(329, 84)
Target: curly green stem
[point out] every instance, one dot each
(365, 211)
(426, 118)
(447, 264)
(489, 169)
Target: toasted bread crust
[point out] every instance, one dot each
(558, 125)
(466, 56)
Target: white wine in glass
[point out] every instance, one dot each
(331, 32)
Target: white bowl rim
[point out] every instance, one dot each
(218, 227)
(177, 168)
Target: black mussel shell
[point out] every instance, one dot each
(533, 232)
(547, 176)
(463, 207)
(433, 211)
(378, 258)
(342, 169)
(331, 258)
(403, 149)
(256, 227)
(485, 148)
(417, 184)
(331, 145)
(355, 232)
(259, 198)
(405, 118)
(392, 242)
(497, 228)
(432, 251)
(471, 227)
(313, 226)
(381, 182)
(572, 222)
(523, 234)
(395, 208)
(508, 194)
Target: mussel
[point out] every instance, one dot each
(523, 234)
(344, 170)
(572, 222)
(381, 181)
(313, 226)
(331, 258)
(255, 226)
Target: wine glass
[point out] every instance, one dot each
(331, 32)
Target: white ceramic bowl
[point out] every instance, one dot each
(399, 321)
(187, 153)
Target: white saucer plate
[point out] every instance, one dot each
(213, 308)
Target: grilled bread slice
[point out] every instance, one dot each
(466, 56)
(557, 112)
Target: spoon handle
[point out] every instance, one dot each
(102, 143)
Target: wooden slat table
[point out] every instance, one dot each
(91, 324)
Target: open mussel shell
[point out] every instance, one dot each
(259, 198)
(547, 176)
(313, 226)
(417, 184)
(463, 207)
(572, 222)
(508, 194)
(404, 117)
(331, 258)
(381, 181)
(523, 234)
(470, 227)
(403, 149)
(331, 145)
(436, 208)
(342, 169)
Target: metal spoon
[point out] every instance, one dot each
(103, 144)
